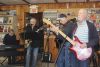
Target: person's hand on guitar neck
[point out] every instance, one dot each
(54, 29)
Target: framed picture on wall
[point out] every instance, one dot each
(1, 20)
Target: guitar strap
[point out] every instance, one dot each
(74, 27)
(74, 30)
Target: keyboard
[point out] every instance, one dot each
(7, 47)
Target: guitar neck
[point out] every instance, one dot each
(65, 36)
(59, 31)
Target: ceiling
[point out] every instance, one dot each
(17, 2)
(10, 2)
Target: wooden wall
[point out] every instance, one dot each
(42, 7)
(21, 9)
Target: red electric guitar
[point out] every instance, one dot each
(81, 53)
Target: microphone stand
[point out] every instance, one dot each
(61, 47)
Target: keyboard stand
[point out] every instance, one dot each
(4, 60)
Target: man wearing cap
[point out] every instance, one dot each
(63, 56)
(63, 22)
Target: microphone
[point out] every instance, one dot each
(41, 28)
(74, 19)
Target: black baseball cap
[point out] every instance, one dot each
(61, 16)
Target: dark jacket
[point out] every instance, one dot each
(57, 39)
(36, 37)
(70, 28)
(9, 40)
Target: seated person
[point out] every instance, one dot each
(10, 39)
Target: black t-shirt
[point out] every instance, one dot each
(9, 40)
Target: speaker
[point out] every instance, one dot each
(46, 57)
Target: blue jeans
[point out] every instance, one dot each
(68, 59)
(34, 54)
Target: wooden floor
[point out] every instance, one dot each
(39, 64)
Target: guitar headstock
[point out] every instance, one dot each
(48, 22)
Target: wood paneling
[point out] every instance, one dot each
(43, 7)
(20, 9)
